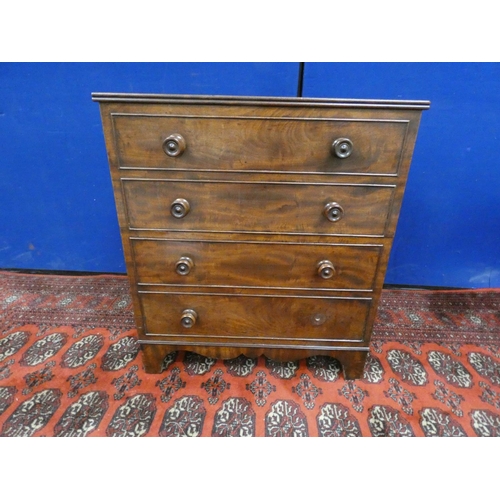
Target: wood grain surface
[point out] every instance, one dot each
(237, 264)
(257, 207)
(266, 143)
(243, 317)
(257, 174)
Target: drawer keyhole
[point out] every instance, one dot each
(318, 319)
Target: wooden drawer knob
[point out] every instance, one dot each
(188, 318)
(183, 266)
(342, 147)
(174, 145)
(180, 208)
(333, 211)
(326, 269)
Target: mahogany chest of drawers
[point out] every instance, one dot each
(257, 225)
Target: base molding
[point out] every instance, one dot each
(352, 359)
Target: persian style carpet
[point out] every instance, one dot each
(70, 366)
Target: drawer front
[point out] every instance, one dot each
(261, 144)
(230, 316)
(288, 208)
(267, 265)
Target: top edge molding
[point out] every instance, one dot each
(258, 100)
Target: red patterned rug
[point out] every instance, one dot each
(70, 366)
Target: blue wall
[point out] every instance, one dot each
(56, 204)
(57, 208)
(449, 228)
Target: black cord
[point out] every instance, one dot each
(301, 79)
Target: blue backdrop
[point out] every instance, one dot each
(57, 208)
(449, 228)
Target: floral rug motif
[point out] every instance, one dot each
(70, 365)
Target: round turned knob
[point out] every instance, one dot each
(333, 211)
(342, 148)
(326, 269)
(174, 145)
(180, 208)
(183, 266)
(188, 318)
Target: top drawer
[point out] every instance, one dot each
(263, 144)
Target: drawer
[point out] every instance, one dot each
(249, 265)
(257, 207)
(214, 316)
(273, 144)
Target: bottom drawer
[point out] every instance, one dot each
(215, 316)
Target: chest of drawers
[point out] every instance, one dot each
(257, 226)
